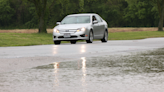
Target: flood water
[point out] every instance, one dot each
(83, 75)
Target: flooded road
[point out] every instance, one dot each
(97, 67)
(83, 75)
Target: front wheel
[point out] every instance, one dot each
(105, 38)
(57, 42)
(90, 37)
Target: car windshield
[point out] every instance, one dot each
(76, 20)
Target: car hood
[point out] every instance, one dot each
(71, 26)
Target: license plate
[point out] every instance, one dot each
(67, 35)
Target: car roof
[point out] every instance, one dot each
(83, 14)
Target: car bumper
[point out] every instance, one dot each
(73, 36)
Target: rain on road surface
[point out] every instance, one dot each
(67, 68)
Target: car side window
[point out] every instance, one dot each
(99, 19)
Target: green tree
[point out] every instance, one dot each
(41, 10)
(6, 12)
(160, 4)
(81, 4)
(110, 10)
(140, 13)
(24, 13)
(60, 9)
(45, 13)
(44, 8)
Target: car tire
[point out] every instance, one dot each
(57, 42)
(73, 42)
(105, 38)
(90, 37)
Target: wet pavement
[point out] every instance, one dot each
(81, 49)
(83, 75)
(77, 68)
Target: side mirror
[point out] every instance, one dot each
(95, 22)
(58, 23)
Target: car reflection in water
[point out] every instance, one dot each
(83, 73)
(56, 66)
(54, 49)
(84, 84)
(83, 49)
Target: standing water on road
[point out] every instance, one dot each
(101, 74)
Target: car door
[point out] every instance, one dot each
(101, 27)
(95, 27)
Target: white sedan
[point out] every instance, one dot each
(81, 27)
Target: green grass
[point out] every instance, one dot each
(135, 35)
(23, 39)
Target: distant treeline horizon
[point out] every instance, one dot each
(117, 13)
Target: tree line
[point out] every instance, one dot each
(44, 14)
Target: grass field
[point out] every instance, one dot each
(27, 39)
(135, 35)
(110, 30)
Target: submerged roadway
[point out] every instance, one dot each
(15, 60)
(24, 56)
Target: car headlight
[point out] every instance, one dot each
(56, 31)
(81, 29)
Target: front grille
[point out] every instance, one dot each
(70, 37)
(61, 37)
(73, 37)
(67, 31)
